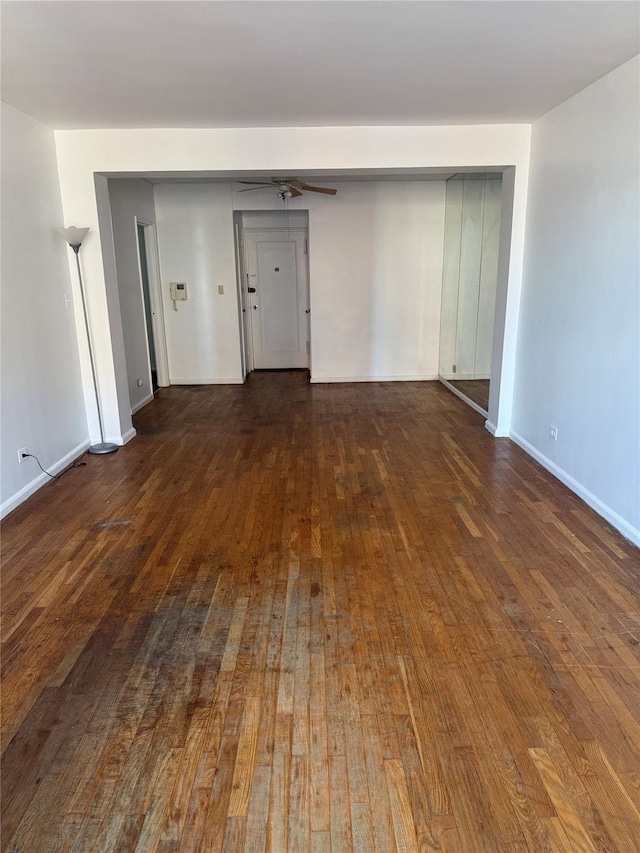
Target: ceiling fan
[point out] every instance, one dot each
(287, 187)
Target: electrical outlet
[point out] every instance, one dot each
(553, 433)
(20, 456)
(221, 289)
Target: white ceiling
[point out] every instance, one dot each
(178, 63)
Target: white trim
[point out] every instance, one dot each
(463, 397)
(280, 228)
(186, 380)
(245, 276)
(419, 377)
(240, 293)
(142, 403)
(120, 440)
(126, 437)
(137, 222)
(26, 491)
(157, 307)
(155, 296)
(243, 283)
(588, 497)
(493, 429)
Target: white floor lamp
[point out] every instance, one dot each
(74, 237)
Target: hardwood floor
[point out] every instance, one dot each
(318, 618)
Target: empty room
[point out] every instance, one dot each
(320, 426)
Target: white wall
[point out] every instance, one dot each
(376, 280)
(375, 264)
(130, 199)
(196, 245)
(578, 362)
(42, 402)
(82, 154)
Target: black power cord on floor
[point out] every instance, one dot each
(76, 464)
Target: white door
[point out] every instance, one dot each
(279, 303)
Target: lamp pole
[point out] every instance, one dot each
(74, 237)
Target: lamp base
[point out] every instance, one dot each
(103, 447)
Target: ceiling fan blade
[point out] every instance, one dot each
(262, 183)
(307, 188)
(294, 191)
(249, 189)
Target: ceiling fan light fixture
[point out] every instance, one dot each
(287, 188)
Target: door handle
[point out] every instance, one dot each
(251, 289)
(307, 311)
(254, 307)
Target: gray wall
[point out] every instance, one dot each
(578, 356)
(42, 398)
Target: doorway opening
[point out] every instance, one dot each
(469, 284)
(154, 331)
(146, 298)
(272, 254)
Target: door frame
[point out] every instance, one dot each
(155, 296)
(246, 317)
(246, 343)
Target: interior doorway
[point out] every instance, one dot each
(275, 292)
(146, 298)
(154, 331)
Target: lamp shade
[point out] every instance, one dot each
(74, 236)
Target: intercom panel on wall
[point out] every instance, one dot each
(178, 290)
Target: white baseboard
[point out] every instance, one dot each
(182, 380)
(26, 491)
(120, 440)
(419, 377)
(495, 432)
(142, 403)
(631, 533)
(126, 437)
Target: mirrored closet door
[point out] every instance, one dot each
(472, 232)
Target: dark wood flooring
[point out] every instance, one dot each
(317, 618)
